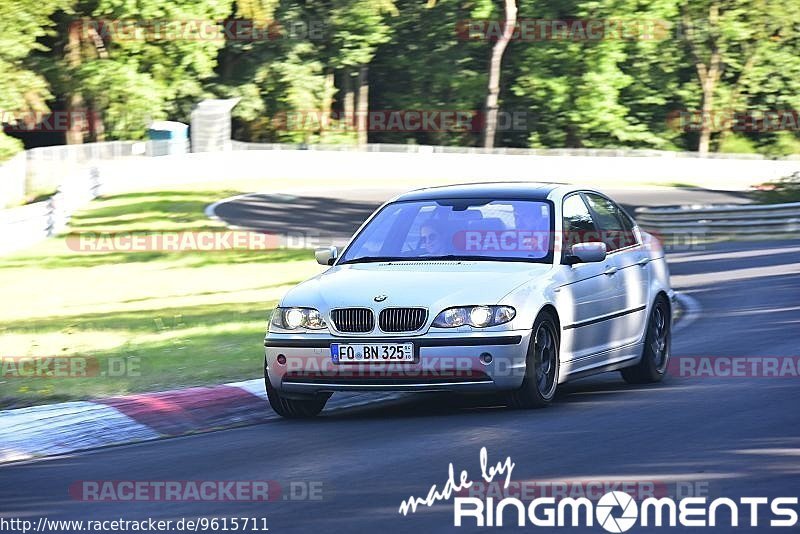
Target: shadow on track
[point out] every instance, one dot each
(321, 216)
(433, 404)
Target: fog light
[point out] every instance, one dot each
(486, 358)
(281, 359)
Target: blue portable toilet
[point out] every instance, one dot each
(167, 138)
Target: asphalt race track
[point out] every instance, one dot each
(719, 436)
(333, 216)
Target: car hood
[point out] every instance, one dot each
(435, 284)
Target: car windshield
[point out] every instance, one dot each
(482, 229)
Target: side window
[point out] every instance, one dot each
(627, 222)
(578, 224)
(616, 228)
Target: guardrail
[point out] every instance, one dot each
(24, 226)
(29, 224)
(47, 166)
(12, 179)
(442, 149)
(42, 169)
(79, 174)
(728, 221)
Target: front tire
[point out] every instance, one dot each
(542, 366)
(658, 339)
(294, 408)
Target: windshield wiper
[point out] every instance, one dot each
(463, 257)
(443, 257)
(373, 259)
(448, 257)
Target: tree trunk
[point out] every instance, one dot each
(327, 104)
(362, 105)
(499, 48)
(97, 127)
(737, 102)
(349, 100)
(708, 73)
(708, 121)
(74, 134)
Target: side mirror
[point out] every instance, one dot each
(586, 253)
(326, 255)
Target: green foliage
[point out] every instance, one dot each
(8, 147)
(130, 99)
(358, 27)
(784, 144)
(134, 76)
(787, 189)
(756, 44)
(616, 91)
(426, 67)
(22, 88)
(737, 144)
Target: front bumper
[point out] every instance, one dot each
(443, 362)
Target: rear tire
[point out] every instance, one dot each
(542, 366)
(295, 408)
(655, 355)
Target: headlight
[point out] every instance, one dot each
(477, 316)
(294, 318)
(480, 316)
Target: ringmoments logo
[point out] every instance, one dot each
(616, 500)
(615, 511)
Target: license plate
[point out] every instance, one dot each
(372, 352)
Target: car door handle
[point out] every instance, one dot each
(610, 271)
(643, 262)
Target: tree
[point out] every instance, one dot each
(23, 89)
(358, 28)
(494, 72)
(709, 68)
(130, 63)
(576, 90)
(734, 45)
(306, 71)
(427, 66)
(579, 86)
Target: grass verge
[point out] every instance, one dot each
(137, 321)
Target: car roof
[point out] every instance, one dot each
(498, 190)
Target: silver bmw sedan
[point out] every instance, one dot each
(511, 287)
